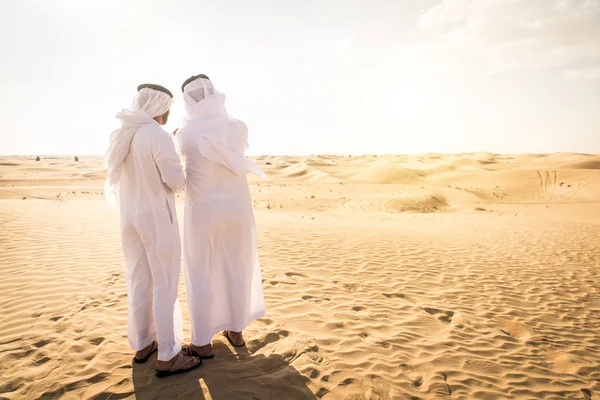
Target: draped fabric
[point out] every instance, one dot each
(220, 253)
(147, 104)
(145, 171)
(208, 127)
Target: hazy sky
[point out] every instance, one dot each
(404, 76)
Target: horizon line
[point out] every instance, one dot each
(329, 154)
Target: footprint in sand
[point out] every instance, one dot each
(42, 343)
(381, 388)
(93, 304)
(40, 362)
(315, 299)
(346, 382)
(350, 286)
(384, 344)
(566, 363)
(418, 382)
(442, 315)
(275, 283)
(335, 325)
(97, 341)
(294, 275)
(587, 394)
(394, 295)
(439, 386)
(517, 330)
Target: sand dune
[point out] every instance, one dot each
(467, 276)
(385, 173)
(583, 165)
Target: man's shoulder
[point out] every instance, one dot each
(152, 130)
(149, 136)
(241, 125)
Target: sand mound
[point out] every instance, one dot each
(386, 173)
(565, 363)
(428, 170)
(298, 170)
(517, 330)
(482, 156)
(416, 204)
(408, 203)
(583, 165)
(470, 162)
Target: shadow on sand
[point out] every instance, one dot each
(230, 375)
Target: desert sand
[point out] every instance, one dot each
(468, 276)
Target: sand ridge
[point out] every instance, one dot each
(466, 276)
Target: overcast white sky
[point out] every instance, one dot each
(404, 76)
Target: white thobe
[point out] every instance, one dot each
(151, 174)
(220, 255)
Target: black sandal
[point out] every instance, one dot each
(226, 333)
(187, 348)
(143, 360)
(175, 369)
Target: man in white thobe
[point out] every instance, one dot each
(145, 172)
(221, 266)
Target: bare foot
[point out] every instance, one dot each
(140, 355)
(235, 338)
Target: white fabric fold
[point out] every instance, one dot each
(220, 252)
(207, 127)
(147, 104)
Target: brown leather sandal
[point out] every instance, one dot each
(226, 333)
(152, 351)
(188, 351)
(177, 367)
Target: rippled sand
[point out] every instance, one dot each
(471, 276)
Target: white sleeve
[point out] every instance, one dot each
(167, 161)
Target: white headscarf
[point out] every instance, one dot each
(207, 127)
(147, 104)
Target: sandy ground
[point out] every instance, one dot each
(471, 276)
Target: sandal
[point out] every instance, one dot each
(177, 367)
(187, 350)
(152, 351)
(226, 333)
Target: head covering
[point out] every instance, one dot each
(209, 128)
(147, 104)
(191, 79)
(155, 87)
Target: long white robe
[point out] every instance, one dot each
(220, 255)
(150, 174)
